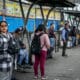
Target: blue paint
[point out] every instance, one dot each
(14, 23)
(38, 21)
(30, 25)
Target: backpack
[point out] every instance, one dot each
(36, 45)
(13, 46)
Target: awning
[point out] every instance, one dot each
(74, 13)
(53, 3)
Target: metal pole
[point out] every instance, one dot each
(42, 12)
(45, 22)
(35, 20)
(4, 9)
(23, 17)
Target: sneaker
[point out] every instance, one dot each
(35, 77)
(43, 78)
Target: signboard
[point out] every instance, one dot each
(13, 9)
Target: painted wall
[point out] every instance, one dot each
(14, 23)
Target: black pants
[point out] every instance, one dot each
(64, 48)
(49, 52)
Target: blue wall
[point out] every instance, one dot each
(14, 23)
(38, 21)
(30, 25)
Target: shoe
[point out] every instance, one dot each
(19, 65)
(43, 78)
(14, 78)
(65, 55)
(35, 77)
(27, 66)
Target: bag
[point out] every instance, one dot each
(36, 45)
(12, 48)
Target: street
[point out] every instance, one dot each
(58, 68)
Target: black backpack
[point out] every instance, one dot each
(36, 45)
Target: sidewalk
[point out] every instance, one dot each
(58, 68)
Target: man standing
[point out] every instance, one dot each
(64, 34)
(73, 36)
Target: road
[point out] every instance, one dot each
(58, 68)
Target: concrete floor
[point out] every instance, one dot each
(58, 68)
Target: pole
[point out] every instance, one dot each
(35, 20)
(4, 10)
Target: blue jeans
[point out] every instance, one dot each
(23, 57)
(52, 42)
(73, 40)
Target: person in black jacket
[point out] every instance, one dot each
(73, 36)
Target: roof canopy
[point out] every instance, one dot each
(53, 3)
(74, 13)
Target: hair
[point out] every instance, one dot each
(74, 27)
(2, 22)
(17, 30)
(51, 24)
(66, 23)
(40, 27)
(23, 46)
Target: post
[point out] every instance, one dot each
(4, 9)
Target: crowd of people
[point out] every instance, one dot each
(13, 49)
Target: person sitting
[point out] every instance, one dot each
(23, 56)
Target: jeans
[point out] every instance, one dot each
(22, 57)
(73, 40)
(52, 42)
(40, 60)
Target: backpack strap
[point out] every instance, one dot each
(39, 36)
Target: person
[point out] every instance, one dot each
(41, 59)
(65, 36)
(23, 54)
(73, 36)
(52, 38)
(6, 60)
(18, 41)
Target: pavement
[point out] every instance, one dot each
(58, 68)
